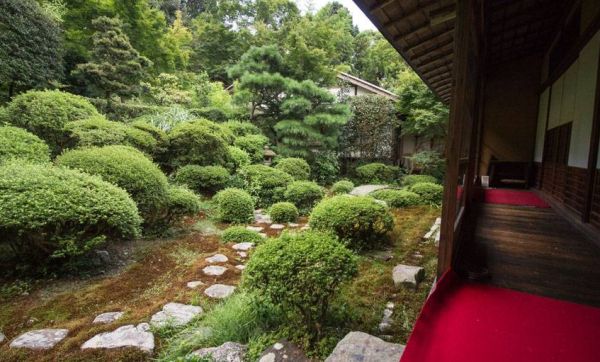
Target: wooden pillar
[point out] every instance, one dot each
(593, 153)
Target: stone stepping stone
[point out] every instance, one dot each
(263, 235)
(107, 317)
(227, 352)
(175, 314)
(240, 267)
(255, 228)
(386, 321)
(293, 225)
(195, 284)
(39, 339)
(219, 291)
(243, 246)
(217, 258)
(126, 336)
(283, 351)
(214, 270)
(277, 227)
(362, 347)
(242, 254)
(407, 275)
(364, 190)
(2, 337)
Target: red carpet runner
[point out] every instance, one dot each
(512, 197)
(469, 322)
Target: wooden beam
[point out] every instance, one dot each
(424, 41)
(433, 46)
(432, 4)
(438, 71)
(435, 63)
(443, 15)
(413, 32)
(443, 87)
(444, 75)
(380, 5)
(593, 154)
(441, 82)
(443, 53)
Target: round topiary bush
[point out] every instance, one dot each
(239, 234)
(301, 273)
(304, 194)
(181, 203)
(234, 205)
(17, 143)
(298, 168)
(45, 113)
(397, 198)
(266, 184)
(377, 173)
(361, 222)
(237, 158)
(410, 180)
(241, 128)
(203, 179)
(127, 168)
(283, 212)
(430, 193)
(49, 211)
(342, 187)
(254, 145)
(199, 142)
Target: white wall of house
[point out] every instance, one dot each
(541, 126)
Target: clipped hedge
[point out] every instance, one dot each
(254, 145)
(181, 203)
(377, 173)
(239, 234)
(265, 183)
(17, 143)
(298, 168)
(342, 187)
(127, 168)
(410, 180)
(397, 198)
(430, 193)
(234, 205)
(301, 273)
(361, 222)
(241, 128)
(48, 211)
(45, 113)
(237, 158)
(200, 142)
(304, 194)
(282, 212)
(203, 179)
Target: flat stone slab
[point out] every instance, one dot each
(240, 267)
(195, 284)
(293, 225)
(277, 227)
(364, 190)
(108, 317)
(126, 336)
(2, 337)
(407, 275)
(214, 270)
(362, 347)
(227, 352)
(39, 339)
(283, 351)
(255, 228)
(219, 291)
(175, 314)
(243, 246)
(217, 258)
(242, 254)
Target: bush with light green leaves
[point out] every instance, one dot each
(241, 128)
(304, 194)
(181, 203)
(238, 158)
(234, 205)
(17, 143)
(342, 187)
(203, 179)
(254, 145)
(266, 184)
(282, 212)
(429, 192)
(376, 173)
(410, 180)
(239, 234)
(52, 212)
(397, 198)
(298, 168)
(200, 142)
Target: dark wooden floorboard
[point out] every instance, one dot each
(534, 250)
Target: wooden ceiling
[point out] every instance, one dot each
(423, 32)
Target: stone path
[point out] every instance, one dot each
(175, 314)
(126, 336)
(195, 284)
(243, 246)
(214, 270)
(364, 190)
(362, 347)
(227, 352)
(108, 317)
(2, 337)
(39, 339)
(219, 291)
(407, 275)
(217, 258)
(283, 351)
(386, 321)
(434, 231)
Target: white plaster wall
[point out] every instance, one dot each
(555, 102)
(541, 126)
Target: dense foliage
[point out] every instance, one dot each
(298, 168)
(266, 184)
(17, 143)
(301, 272)
(239, 234)
(238, 158)
(361, 222)
(397, 198)
(430, 193)
(234, 205)
(376, 173)
(203, 179)
(282, 212)
(304, 194)
(342, 187)
(410, 180)
(180, 203)
(253, 145)
(200, 142)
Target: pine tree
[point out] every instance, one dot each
(115, 66)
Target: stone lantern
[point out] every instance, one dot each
(268, 155)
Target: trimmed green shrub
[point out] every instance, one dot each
(239, 234)
(397, 198)
(410, 180)
(159, 146)
(242, 128)
(282, 212)
(45, 113)
(361, 222)
(254, 145)
(48, 211)
(17, 143)
(429, 192)
(304, 194)
(203, 179)
(199, 142)
(342, 187)
(238, 158)
(127, 168)
(377, 173)
(298, 168)
(265, 183)
(325, 168)
(181, 203)
(234, 205)
(301, 273)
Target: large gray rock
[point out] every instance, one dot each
(214, 270)
(107, 317)
(126, 336)
(39, 339)
(407, 275)
(283, 351)
(362, 347)
(175, 314)
(364, 190)
(217, 258)
(227, 352)
(219, 291)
